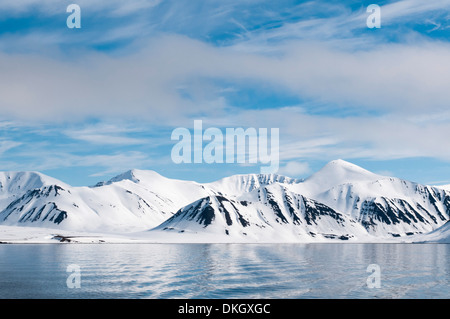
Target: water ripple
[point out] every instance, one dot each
(225, 271)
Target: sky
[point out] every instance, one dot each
(86, 104)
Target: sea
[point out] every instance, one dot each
(224, 271)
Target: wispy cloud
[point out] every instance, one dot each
(52, 7)
(106, 134)
(389, 78)
(297, 169)
(358, 93)
(104, 164)
(412, 9)
(6, 145)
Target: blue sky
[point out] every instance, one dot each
(86, 104)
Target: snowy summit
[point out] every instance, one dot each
(340, 202)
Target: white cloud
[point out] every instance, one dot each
(170, 80)
(306, 137)
(411, 9)
(108, 139)
(406, 84)
(295, 169)
(106, 134)
(391, 78)
(41, 159)
(6, 145)
(52, 7)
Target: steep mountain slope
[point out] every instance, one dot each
(273, 212)
(444, 187)
(337, 172)
(440, 235)
(341, 201)
(385, 206)
(15, 184)
(132, 201)
(165, 194)
(409, 208)
(381, 206)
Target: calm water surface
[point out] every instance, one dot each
(225, 270)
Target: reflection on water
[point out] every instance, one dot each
(225, 271)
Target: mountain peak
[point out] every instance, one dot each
(133, 175)
(129, 175)
(338, 172)
(340, 164)
(14, 181)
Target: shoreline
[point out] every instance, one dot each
(35, 235)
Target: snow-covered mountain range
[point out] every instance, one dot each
(340, 202)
